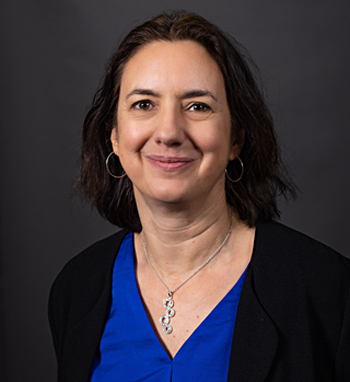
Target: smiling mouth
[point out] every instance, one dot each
(169, 163)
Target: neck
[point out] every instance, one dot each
(179, 240)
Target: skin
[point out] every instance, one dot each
(173, 138)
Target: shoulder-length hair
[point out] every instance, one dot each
(265, 177)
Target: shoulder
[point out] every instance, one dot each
(298, 290)
(83, 281)
(84, 278)
(288, 265)
(277, 242)
(82, 285)
(93, 263)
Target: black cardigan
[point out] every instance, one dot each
(293, 319)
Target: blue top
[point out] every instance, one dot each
(130, 350)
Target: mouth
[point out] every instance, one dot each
(169, 163)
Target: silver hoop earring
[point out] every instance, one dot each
(109, 172)
(242, 171)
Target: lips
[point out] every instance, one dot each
(169, 163)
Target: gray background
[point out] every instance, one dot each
(53, 57)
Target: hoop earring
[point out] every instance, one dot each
(242, 171)
(109, 172)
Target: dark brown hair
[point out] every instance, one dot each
(264, 177)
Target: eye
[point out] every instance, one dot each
(144, 105)
(199, 107)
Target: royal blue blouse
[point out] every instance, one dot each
(130, 350)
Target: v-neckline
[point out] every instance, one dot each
(141, 307)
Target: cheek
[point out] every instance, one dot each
(132, 136)
(215, 138)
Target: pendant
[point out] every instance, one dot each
(168, 304)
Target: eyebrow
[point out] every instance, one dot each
(198, 93)
(143, 92)
(188, 94)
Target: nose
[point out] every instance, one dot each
(170, 129)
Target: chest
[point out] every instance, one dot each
(175, 319)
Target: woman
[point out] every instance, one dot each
(202, 284)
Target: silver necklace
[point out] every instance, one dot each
(168, 303)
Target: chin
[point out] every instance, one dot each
(167, 192)
(170, 196)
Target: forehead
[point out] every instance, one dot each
(179, 64)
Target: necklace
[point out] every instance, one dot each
(168, 303)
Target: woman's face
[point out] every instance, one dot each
(173, 134)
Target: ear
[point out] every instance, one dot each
(237, 144)
(114, 140)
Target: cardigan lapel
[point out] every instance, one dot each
(83, 341)
(255, 338)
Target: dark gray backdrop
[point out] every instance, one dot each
(53, 57)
